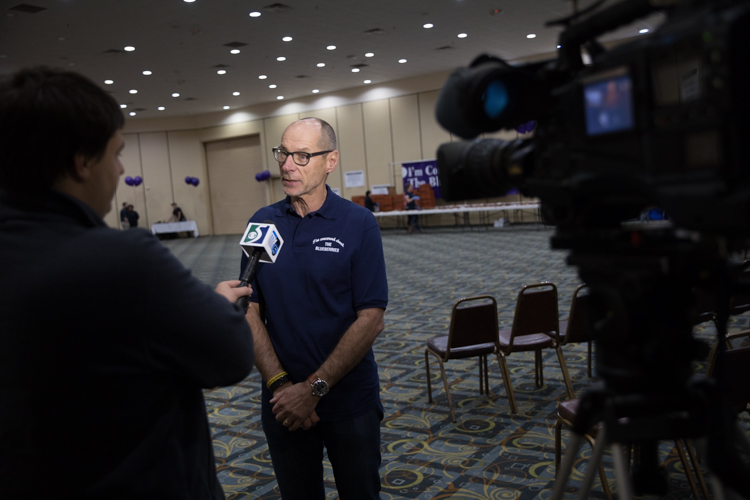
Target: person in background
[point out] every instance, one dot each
(177, 215)
(323, 303)
(106, 400)
(132, 216)
(124, 215)
(369, 204)
(410, 203)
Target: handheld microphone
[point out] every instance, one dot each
(261, 243)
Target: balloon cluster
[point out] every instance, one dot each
(527, 127)
(263, 176)
(133, 181)
(192, 180)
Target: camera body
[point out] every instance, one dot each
(659, 121)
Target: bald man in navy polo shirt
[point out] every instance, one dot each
(323, 303)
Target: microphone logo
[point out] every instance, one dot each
(256, 234)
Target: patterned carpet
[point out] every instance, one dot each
(489, 453)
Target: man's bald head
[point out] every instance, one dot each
(327, 140)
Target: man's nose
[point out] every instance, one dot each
(288, 163)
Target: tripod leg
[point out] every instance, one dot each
(621, 472)
(594, 462)
(563, 472)
(696, 467)
(686, 466)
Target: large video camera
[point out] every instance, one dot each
(661, 121)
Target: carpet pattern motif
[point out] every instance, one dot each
(489, 453)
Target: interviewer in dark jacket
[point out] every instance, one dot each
(94, 402)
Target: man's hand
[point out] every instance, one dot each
(294, 406)
(232, 291)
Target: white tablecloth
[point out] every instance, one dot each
(175, 227)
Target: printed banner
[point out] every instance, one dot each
(421, 172)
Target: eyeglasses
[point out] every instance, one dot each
(299, 157)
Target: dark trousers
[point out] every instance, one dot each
(353, 448)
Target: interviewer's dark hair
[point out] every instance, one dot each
(47, 116)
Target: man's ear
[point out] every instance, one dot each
(81, 169)
(332, 161)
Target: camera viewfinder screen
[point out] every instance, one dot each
(609, 105)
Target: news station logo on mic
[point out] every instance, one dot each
(262, 236)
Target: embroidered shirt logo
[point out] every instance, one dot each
(326, 244)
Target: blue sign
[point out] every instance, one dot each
(421, 172)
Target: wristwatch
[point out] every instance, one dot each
(319, 386)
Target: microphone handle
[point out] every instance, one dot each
(247, 275)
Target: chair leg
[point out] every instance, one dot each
(506, 381)
(558, 444)
(589, 358)
(538, 368)
(697, 468)
(481, 376)
(487, 377)
(427, 368)
(686, 466)
(447, 391)
(566, 375)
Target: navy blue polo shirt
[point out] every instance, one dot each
(330, 266)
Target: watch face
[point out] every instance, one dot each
(319, 387)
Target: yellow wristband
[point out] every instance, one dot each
(274, 379)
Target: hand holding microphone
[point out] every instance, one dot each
(232, 290)
(261, 243)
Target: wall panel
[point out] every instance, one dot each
(156, 177)
(407, 139)
(378, 144)
(351, 145)
(131, 162)
(433, 135)
(187, 157)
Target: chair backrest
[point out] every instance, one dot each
(737, 388)
(473, 321)
(579, 328)
(536, 311)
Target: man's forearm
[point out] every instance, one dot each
(353, 346)
(266, 361)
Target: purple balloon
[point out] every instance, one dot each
(129, 181)
(266, 175)
(188, 180)
(138, 180)
(194, 181)
(258, 176)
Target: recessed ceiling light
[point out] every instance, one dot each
(235, 93)
(369, 54)
(462, 35)
(320, 65)
(129, 49)
(133, 91)
(287, 39)
(146, 72)
(368, 81)
(189, 1)
(272, 86)
(355, 70)
(402, 61)
(161, 108)
(644, 30)
(531, 35)
(281, 59)
(559, 46)
(108, 82)
(331, 47)
(428, 25)
(226, 107)
(132, 113)
(221, 72)
(61, 38)
(123, 106)
(234, 51)
(279, 97)
(175, 95)
(255, 14)
(315, 91)
(262, 77)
